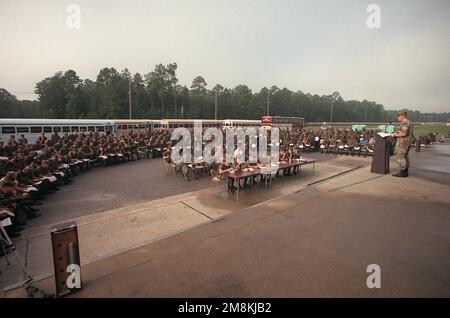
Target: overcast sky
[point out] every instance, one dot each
(316, 46)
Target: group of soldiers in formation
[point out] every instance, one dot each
(333, 141)
(293, 142)
(29, 172)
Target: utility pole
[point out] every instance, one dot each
(176, 107)
(215, 104)
(334, 98)
(268, 102)
(365, 114)
(331, 115)
(129, 96)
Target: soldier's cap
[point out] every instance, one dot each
(402, 114)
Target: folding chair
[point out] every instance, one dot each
(170, 168)
(214, 179)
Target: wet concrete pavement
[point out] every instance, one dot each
(432, 163)
(128, 224)
(305, 241)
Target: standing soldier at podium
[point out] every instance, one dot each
(403, 135)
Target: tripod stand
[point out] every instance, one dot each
(5, 244)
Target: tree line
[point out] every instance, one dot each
(11, 107)
(159, 95)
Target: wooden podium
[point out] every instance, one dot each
(380, 158)
(65, 252)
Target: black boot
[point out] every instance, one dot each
(32, 215)
(400, 174)
(12, 232)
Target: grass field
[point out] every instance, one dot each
(422, 130)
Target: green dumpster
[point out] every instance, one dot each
(359, 127)
(389, 129)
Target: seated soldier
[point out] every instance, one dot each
(16, 226)
(224, 170)
(316, 142)
(123, 152)
(19, 202)
(353, 146)
(323, 145)
(102, 156)
(346, 150)
(339, 147)
(363, 143)
(167, 157)
(287, 158)
(134, 149)
(332, 147)
(44, 184)
(87, 154)
(283, 157)
(309, 143)
(111, 150)
(142, 149)
(22, 190)
(148, 148)
(54, 164)
(185, 166)
(45, 173)
(200, 166)
(41, 139)
(295, 155)
(237, 168)
(253, 165)
(187, 170)
(74, 162)
(26, 179)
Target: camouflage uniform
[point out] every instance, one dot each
(403, 144)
